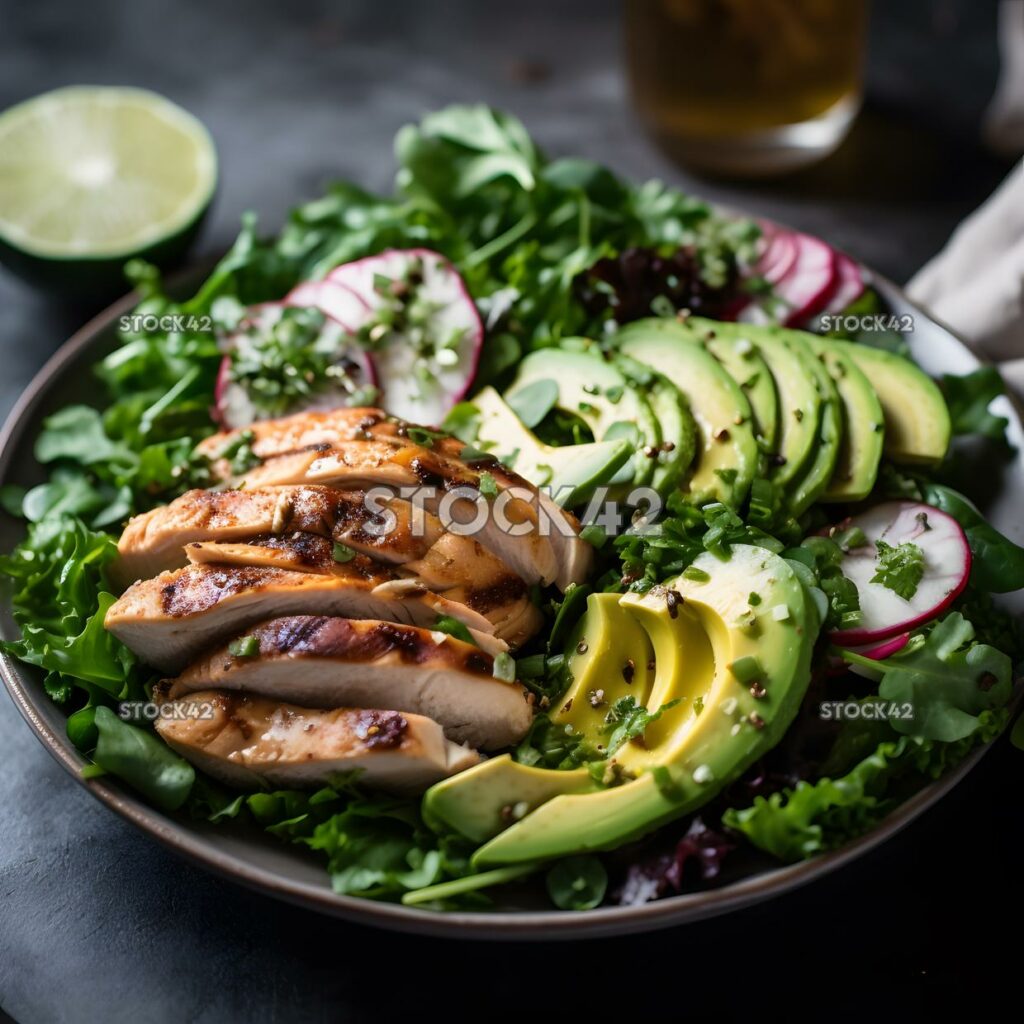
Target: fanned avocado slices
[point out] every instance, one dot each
(727, 451)
(863, 433)
(594, 389)
(806, 488)
(798, 400)
(678, 435)
(747, 367)
(917, 426)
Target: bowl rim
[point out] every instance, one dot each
(490, 925)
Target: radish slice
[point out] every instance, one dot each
(778, 255)
(947, 565)
(355, 377)
(430, 334)
(849, 284)
(810, 282)
(338, 302)
(876, 652)
(803, 271)
(881, 650)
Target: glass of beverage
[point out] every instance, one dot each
(746, 87)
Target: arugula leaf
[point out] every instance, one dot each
(142, 760)
(900, 568)
(948, 680)
(968, 398)
(77, 433)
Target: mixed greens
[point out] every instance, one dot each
(550, 252)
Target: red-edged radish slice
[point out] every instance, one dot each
(947, 565)
(355, 374)
(779, 253)
(849, 285)
(335, 300)
(809, 283)
(880, 650)
(428, 365)
(874, 652)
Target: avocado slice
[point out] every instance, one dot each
(678, 435)
(572, 472)
(799, 403)
(727, 452)
(610, 656)
(747, 367)
(739, 671)
(863, 432)
(917, 426)
(805, 489)
(599, 393)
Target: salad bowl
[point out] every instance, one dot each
(252, 859)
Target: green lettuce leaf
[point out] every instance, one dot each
(814, 817)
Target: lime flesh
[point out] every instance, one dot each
(95, 173)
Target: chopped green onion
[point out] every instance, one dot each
(244, 647)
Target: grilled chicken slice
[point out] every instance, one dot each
(318, 447)
(324, 662)
(249, 742)
(389, 528)
(168, 620)
(501, 597)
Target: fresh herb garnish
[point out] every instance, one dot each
(900, 568)
(342, 552)
(488, 486)
(244, 647)
(628, 720)
(453, 627)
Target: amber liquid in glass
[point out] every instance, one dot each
(746, 85)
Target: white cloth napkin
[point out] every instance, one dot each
(976, 283)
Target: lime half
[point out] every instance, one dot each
(94, 174)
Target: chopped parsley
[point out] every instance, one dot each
(627, 720)
(900, 568)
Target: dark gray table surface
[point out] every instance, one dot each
(97, 923)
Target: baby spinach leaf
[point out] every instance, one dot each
(142, 760)
(968, 399)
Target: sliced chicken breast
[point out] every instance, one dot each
(445, 488)
(389, 529)
(503, 599)
(168, 620)
(325, 662)
(317, 447)
(251, 742)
